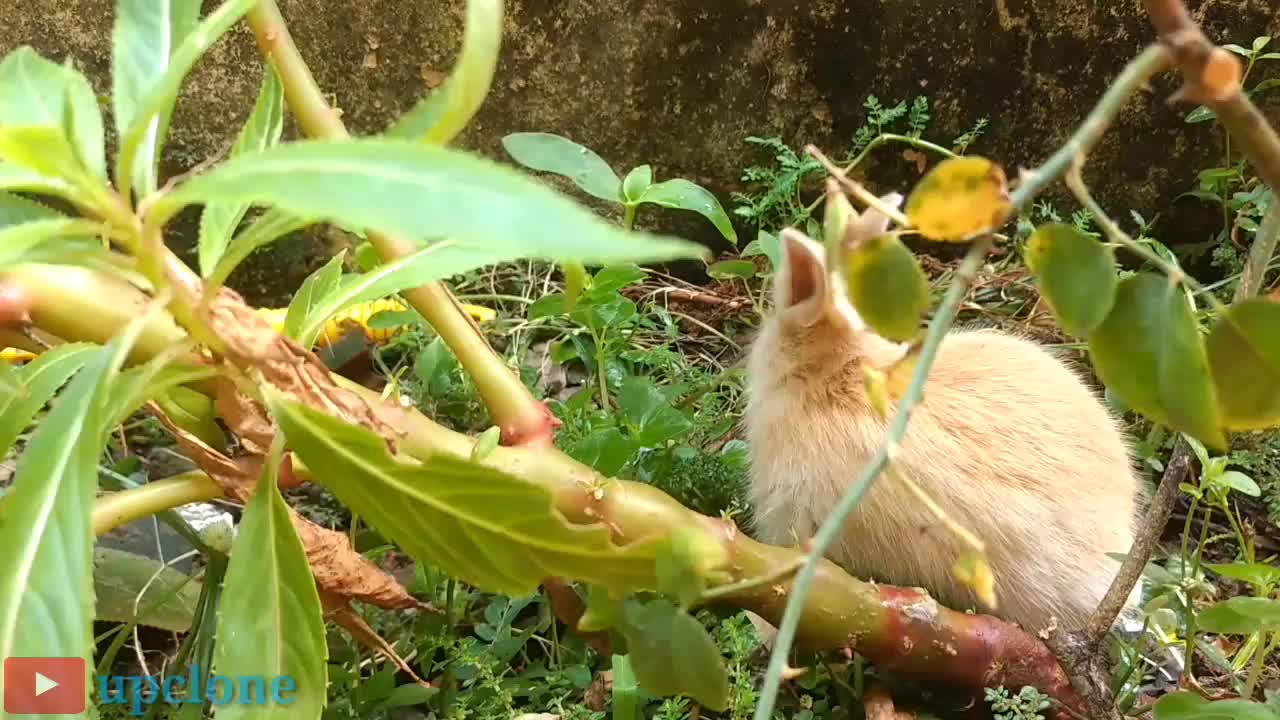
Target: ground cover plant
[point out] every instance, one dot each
(554, 525)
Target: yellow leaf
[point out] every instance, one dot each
(972, 570)
(958, 199)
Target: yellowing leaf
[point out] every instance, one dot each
(1149, 353)
(973, 570)
(1244, 357)
(887, 286)
(958, 199)
(500, 533)
(1075, 274)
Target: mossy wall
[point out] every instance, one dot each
(680, 83)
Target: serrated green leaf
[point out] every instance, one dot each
(672, 654)
(636, 183)
(36, 92)
(1244, 356)
(270, 622)
(39, 380)
(886, 286)
(155, 44)
(119, 579)
(1256, 574)
(46, 540)
(684, 195)
(1075, 274)
(436, 261)
(265, 229)
(492, 530)
(1239, 615)
(44, 152)
(262, 130)
(17, 178)
(730, 269)
(16, 210)
(314, 289)
(545, 152)
(422, 192)
(439, 117)
(1150, 353)
(45, 240)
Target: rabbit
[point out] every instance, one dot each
(1008, 440)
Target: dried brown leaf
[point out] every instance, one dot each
(338, 609)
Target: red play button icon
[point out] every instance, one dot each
(44, 686)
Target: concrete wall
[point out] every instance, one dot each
(680, 83)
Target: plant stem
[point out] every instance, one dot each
(832, 526)
(1260, 254)
(119, 508)
(602, 373)
(1264, 649)
(524, 421)
(629, 215)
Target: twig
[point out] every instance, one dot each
(1212, 78)
(966, 536)
(856, 188)
(1264, 248)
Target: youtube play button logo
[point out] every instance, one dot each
(44, 686)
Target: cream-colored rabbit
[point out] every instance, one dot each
(1008, 440)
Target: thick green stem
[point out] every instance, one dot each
(120, 508)
(524, 420)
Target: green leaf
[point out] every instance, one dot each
(436, 261)
(262, 130)
(482, 526)
(1239, 615)
(545, 152)
(680, 567)
(626, 702)
(1149, 352)
(15, 210)
(46, 155)
(122, 581)
(18, 178)
(615, 277)
(193, 412)
(39, 380)
(155, 45)
(636, 183)
(886, 286)
(684, 195)
(439, 117)
(1256, 574)
(575, 281)
(46, 539)
(730, 269)
(270, 622)
(1075, 273)
(603, 610)
(46, 240)
(1179, 705)
(606, 450)
(314, 289)
(265, 229)
(765, 244)
(406, 695)
(672, 653)
(486, 443)
(422, 192)
(36, 92)
(1199, 115)
(1244, 356)
(1240, 482)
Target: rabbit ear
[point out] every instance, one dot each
(872, 222)
(802, 283)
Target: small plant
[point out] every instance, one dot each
(1028, 704)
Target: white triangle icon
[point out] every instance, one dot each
(44, 684)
